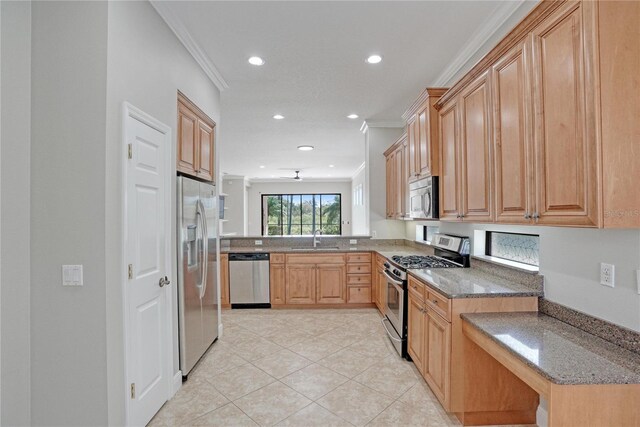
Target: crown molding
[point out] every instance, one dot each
(380, 124)
(489, 27)
(422, 98)
(178, 28)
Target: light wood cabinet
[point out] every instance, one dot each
(450, 183)
(277, 284)
(196, 141)
(562, 131)
(475, 151)
(566, 173)
(415, 337)
(301, 284)
(224, 281)
(512, 138)
(330, 284)
(397, 166)
(465, 175)
(437, 354)
(422, 135)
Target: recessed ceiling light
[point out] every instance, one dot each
(330, 166)
(305, 147)
(262, 166)
(278, 117)
(256, 60)
(352, 116)
(374, 59)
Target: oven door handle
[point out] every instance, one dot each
(384, 325)
(392, 280)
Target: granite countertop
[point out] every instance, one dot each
(386, 251)
(471, 283)
(557, 351)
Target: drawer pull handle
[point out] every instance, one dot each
(435, 301)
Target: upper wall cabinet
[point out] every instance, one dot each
(422, 135)
(544, 128)
(397, 161)
(196, 143)
(465, 134)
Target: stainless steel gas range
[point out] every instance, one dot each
(450, 252)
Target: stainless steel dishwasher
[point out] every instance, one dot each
(249, 280)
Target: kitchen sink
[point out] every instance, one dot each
(320, 248)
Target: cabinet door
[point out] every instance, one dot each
(437, 354)
(424, 152)
(224, 279)
(566, 164)
(400, 182)
(475, 149)
(415, 336)
(413, 144)
(301, 284)
(512, 138)
(277, 275)
(391, 185)
(187, 140)
(205, 151)
(330, 284)
(449, 176)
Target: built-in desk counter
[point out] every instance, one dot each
(511, 358)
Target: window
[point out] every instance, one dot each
(522, 248)
(301, 214)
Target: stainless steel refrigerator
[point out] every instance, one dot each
(197, 270)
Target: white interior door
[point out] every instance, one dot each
(148, 317)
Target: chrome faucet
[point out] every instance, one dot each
(316, 239)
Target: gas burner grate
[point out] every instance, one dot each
(423, 261)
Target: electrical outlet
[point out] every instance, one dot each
(607, 274)
(72, 275)
(258, 242)
(374, 233)
(353, 242)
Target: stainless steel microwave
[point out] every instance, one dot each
(423, 198)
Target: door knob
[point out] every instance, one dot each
(164, 281)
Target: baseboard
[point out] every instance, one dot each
(177, 383)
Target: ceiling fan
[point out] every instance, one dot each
(295, 178)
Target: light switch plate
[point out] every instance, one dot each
(72, 275)
(353, 241)
(258, 242)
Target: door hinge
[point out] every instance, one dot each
(130, 271)
(130, 151)
(133, 390)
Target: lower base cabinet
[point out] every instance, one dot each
(435, 339)
(277, 280)
(330, 284)
(224, 281)
(359, 294)
(300, 284)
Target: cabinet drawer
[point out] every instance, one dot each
(359, 294)
(358, 279)
(359, 268)
(439, 304)
(416, 288)
(359, 257)
(315, 258)
(276, 258)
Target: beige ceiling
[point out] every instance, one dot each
(315, 72)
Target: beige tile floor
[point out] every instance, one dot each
(303, 368)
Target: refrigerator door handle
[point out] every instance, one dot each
(201, 258)
(205, 247)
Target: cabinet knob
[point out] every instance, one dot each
(527, 215)
(458, 216)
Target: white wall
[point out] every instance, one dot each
(570, 262)
(147, 66)
(15, 226)
(236, 213)
(377, 140)
(68, 325)
(359, 214)
(304, 187)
